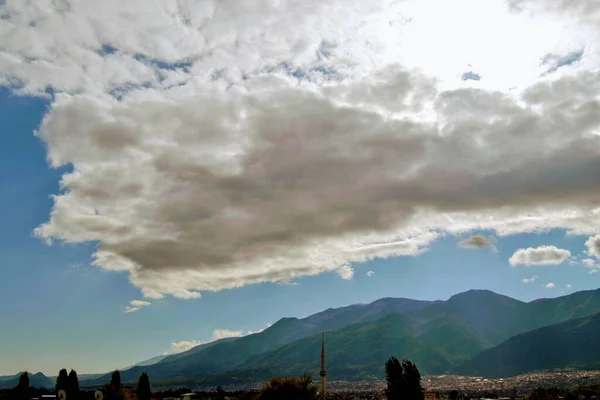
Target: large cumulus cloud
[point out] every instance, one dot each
(284, 139)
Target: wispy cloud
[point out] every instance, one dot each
(530, 279)
(370, 273)
(136, 305)
(181, 346)
(555, 61)
(185, 345)
(550, 285)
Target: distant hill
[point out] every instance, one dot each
(438, 335)
(150, 361)
(571, 344)
(38, 380)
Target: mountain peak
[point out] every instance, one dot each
(481, 294)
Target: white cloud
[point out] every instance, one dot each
(550, 285)
(180, 347)
(370, 273)
(185, 345)
(258, 330)
(136, 305)
(262, 160)
(226, 333)
(530, 280)
(592, 265)
(346, 272)
(569, 286)
(593, 245)
(543, 255)
(588, 262)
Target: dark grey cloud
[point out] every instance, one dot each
(477, 242)
(228, 188)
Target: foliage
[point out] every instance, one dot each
(72, 386)
(289, 388)
(115, 379)
(23, 381)
(403, 380)
(219, 393)
(62, 381)
(575, 393)
(21, 391)
(114, 390)
(143, 387)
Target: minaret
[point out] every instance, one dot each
(323, 368)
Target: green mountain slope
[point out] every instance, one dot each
(359, 351)
(442, 334)
(572, 344)
(229, 354)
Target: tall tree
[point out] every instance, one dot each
(115, 379)
(143, 387)
(412, 378)
(62, 381)
(72, 386)
(114, 391)
(403, 380)
(21, 391)
(23, 381)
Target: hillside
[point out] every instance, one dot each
(571, 344)
(359, 351)
(441, 334)
(38, 380)
(232, 353)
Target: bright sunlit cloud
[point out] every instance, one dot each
(217, 144)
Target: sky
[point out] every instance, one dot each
(172, 173)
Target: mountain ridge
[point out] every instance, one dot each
(446, 332)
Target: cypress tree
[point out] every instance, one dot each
(62, 381)
(72, 386)
(143, 387)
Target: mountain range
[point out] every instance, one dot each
(477, 332)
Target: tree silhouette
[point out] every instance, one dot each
(403, 380)
(115, 379)
(23, 381)
(219, 393)
(114, 390)
(72, 386)
(289, 388)
(22, 389)
(143, 387)
(62, 381)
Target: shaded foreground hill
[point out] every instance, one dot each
(37, 380)
(439, 336)
(570, 344)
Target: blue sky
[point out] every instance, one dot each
(214, 181)
(61, 312)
